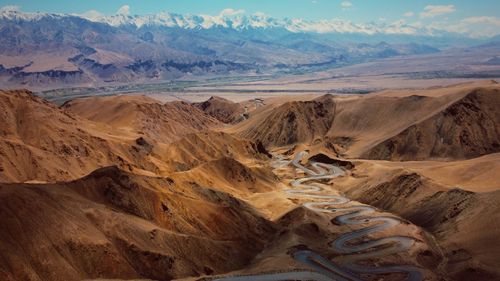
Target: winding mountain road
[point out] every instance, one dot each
(352, 215)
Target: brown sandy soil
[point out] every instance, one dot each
(195, 149)
(113, 224)
(384, 125)
(144, 116)
(233, 177)
(189, 197)
(468, 128)
(299, 122)
(221, 109)
(477, 174)
(42, 142)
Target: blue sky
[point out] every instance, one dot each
(354, 10)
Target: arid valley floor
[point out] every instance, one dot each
(391, 185)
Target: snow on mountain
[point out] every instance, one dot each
(243, 22)
(12, 12)
(237, 20)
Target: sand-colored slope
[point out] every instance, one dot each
(39, 141)
(144, 116)
(359, 120)
(182, 208)
(112, 224)
(231, 176)
(196, 149)
(370, 120)
(468, 128)
(291, 122)
(354, 125)
(365, 121)
(477, 174)
(221, 109)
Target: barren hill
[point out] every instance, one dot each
(39, 141)
(195, 149)
(112, 224)
(142, 115)
(468, 128)
(144, 190)
(360, 121)
(290, 123)
(387, 125)
(222, 109)
(230, 175)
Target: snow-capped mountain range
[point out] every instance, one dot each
(256, 21)
(50, 50)
(236, 20)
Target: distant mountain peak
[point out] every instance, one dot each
(167, 19)
(233, 20)
(13, 13)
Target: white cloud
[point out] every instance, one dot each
(92, 15)
(346, 4)
(399, 27)
(124, 10)
(483, 20)
(314, 1)
(231, 12)
(409, 14)
(261, 14)
(475, 27)
(431, 11)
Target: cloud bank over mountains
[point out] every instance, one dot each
(431, 11)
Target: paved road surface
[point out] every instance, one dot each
(352, 215)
